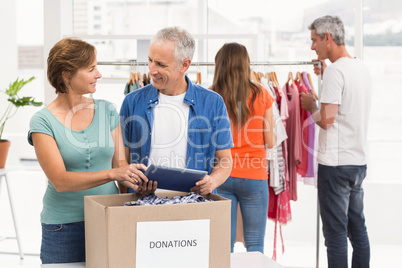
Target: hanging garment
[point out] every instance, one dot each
(274, 155)
(284, 112)
(279, 198)
(304, 115)
(280, 212)
(130, 87)
(311, 138)
(139, 83)
(293, 129)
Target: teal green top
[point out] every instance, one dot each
(88, 150)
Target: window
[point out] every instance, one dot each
(271, 31)
(383, 53)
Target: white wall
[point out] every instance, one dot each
(9, 63)
(8, 47)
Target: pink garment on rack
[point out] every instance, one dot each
(280, 212)
(279, 205)
(293, 129)
(278, 97)
(302, 167)
(275, 203)
(311, 133)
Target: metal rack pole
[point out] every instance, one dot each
(262, 63)
(318, 203)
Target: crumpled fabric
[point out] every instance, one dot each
(152, 199)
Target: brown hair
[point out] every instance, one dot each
(232, 82)
(68, 56)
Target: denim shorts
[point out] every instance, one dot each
(63, 243)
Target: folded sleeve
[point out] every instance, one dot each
(39, 123)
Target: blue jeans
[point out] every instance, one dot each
(340, 195)
(63, 243)
(252, 195)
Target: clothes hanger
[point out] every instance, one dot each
(310, 81)
(268, 76)
(132, 78)
(276, 82)
(271, 83)
(299, 78)
(312, 87)
(291, 79)
(274, 79)
(254, 76)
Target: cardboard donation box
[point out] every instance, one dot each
(170, 235)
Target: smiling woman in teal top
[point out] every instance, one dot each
(87, 150)
(79, 146)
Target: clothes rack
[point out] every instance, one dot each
(258, 63)
(261, 63)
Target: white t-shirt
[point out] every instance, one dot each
(169, 137)
(346, 82)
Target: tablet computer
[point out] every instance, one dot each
(177, 179)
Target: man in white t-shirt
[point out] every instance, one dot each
(343, 120)
(173, 122)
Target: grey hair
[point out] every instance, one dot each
(184, 42)
(332, 25)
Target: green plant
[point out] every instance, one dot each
(15, 101)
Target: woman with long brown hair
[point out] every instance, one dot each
(250, 111)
